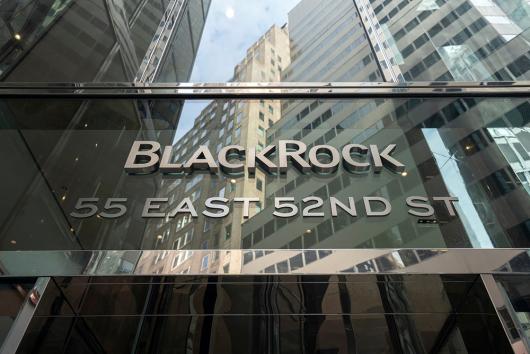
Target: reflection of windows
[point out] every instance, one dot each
(222, 192)
(228, 231)
(261, 131)
(194, 181)
(237, 133)
(271, 110)
(259, 184)
(204, 262)
(521, 150)
(195, 195)
(261, 116)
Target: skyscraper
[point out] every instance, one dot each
(390, 198)
(242, 123)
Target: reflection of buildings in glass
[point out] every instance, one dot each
(320, 122)
(514, 143)
(76, 40)
(60, 142)
(220, 124)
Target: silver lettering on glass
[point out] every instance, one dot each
(262, 159)
(166, 166)
(85, 203)
(201, 159)
(368, 206)
(324, 167)
(349, 163)
(448, 203)
(414, 202)
(334, 203)
(282, 203)
(151, 206)
(307, 210)
(246, 204)
(229, 153)
(294, 151)
(383, 158)
(211, 203)
(184, 207)
(148, 153)
(114, 204)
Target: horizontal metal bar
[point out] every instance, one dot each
(268, 90)
(255, 262)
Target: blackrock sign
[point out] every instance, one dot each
(147, 157)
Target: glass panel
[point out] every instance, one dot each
(363, 314)
(256, 41)
(57, 152)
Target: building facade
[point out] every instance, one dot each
(352, 176)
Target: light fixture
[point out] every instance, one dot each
(308, 231)
(13, 242)
(404, 173)
(159, 237)
(63, 198)
(468, 147)
(17, 36)
(233, 181)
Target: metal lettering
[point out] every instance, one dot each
(261, 158)
(246, 204)
(321, 167)
(149, 206)
(201, 159)
(413, 203)
(165, 163)
(148, 157)
(351, 165)
(383, 158)
(232, 151)
(368, 206)
(294, 151)
(211, 203)
(448, 203)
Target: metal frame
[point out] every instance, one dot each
(267, 90)
(259, 262)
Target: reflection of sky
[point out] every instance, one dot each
(456, 186)
(231, 28)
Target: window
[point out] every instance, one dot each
(188, 236)
(194, 181)
(270, 123)
(204, 262)
(261, 131)
(228, 231)
(271, 110)
(259, 184)
(261, 116)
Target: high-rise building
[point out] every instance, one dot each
(390, 206)
(241, 123)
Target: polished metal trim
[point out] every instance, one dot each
(502, 305)
(268, 90)
(25, 315)
(268, 262)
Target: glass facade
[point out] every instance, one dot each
(347, 176)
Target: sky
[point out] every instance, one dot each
(232, 26)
